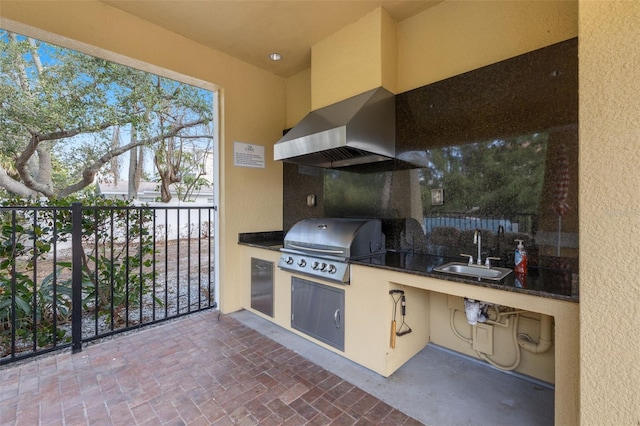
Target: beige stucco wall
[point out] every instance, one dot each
(298, 97)
(609, 212)
(253, 109)
(458, 36)
(357, 58)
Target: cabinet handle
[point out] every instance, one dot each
(336, 318)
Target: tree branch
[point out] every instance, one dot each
(89, 173)
(23, 169)
(14, 186)
(22, 73)
(35, 55)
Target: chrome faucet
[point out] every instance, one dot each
(477, 239)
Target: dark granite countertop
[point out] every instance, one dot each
(270, 240)
(540, 281)
(543, 282)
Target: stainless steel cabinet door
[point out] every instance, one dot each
(262, 286)
(318, 310)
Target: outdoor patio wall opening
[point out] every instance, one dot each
(131, 264)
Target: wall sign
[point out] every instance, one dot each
(248, 155)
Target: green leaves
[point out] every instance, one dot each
(116, 268)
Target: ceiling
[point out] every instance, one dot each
(252, 29)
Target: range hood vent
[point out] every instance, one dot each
(358, 130)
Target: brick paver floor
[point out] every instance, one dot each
(197, 370)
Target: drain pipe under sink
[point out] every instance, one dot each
(544, 342)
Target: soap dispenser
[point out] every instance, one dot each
(520, 259)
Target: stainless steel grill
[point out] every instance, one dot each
(322, 247)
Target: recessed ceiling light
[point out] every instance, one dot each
(275, 56)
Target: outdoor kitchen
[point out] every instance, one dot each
(366, 229)
(489, 146)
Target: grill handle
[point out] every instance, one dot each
(315, 250)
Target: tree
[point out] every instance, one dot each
(193, 169)
(56, 103)
(174, 156)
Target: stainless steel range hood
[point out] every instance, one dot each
(358, 130)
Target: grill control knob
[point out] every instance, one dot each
(315, 266)
(302, 263)
(332, 269)
(288, 260)
(323, 267)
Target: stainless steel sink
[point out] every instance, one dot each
(473, 271)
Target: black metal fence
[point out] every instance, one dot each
(69, 275)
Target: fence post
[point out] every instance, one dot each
(76, 277)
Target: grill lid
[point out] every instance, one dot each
(336, 237)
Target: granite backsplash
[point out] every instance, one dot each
(494, 149)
